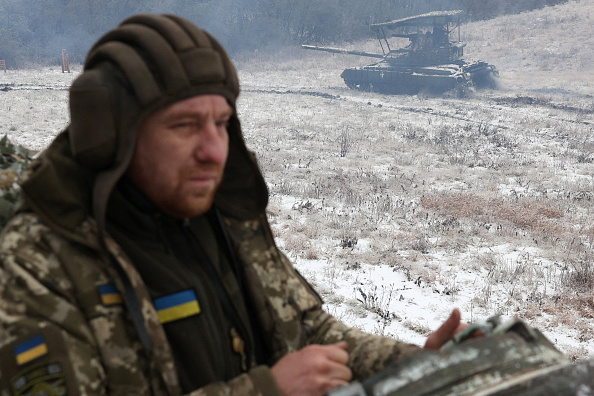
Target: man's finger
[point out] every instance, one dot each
(338, 352)
(449, 327)
(342, 344)
(445, 332)
(340, 372)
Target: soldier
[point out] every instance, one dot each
(140, 260)
(440, 36)
(428, 42)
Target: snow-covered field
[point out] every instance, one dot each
(400, 208)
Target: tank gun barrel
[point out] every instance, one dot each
(343, 51)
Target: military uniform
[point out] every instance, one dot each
(100, 293)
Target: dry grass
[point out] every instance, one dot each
(522, 213)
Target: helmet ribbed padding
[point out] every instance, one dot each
(167, 65)
(182, 54)
(162, 59)
(136, 70)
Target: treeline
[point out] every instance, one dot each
(35, 31)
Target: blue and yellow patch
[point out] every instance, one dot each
(30, 350)
(110, 294)
(177, 306)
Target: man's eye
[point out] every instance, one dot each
(181, 125)
(222, 123)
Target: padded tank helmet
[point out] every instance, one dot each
(147, 63)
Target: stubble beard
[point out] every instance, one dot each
(190, 202)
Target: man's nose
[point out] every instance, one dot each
(213, 145)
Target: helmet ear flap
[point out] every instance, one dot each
(93, 137)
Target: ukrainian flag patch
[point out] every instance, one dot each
(30, 350)
(177, 306)
(110, 294)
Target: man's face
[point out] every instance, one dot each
(180, 155)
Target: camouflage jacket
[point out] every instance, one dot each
(64, 326)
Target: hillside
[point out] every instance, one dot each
(551, 48)
(399, 208)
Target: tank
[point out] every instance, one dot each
(432, 62)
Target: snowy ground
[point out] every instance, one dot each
(399, 208)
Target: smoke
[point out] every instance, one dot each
(37, 32)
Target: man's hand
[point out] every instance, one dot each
(313, 370)
(445, 332)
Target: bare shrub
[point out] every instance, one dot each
(296, 242)
(285, 187)
(315, 189)
(411, 132)
(421, 245)
(345, 142)
(300, 206)
(351, 197)
(581, 276)
(588, 233)
(379, 304)
(488, 262)
(311, 253)
(273, 210)
(500, 140)
(483, 298)
(348, 241)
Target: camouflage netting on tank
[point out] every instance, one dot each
(13, 161)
